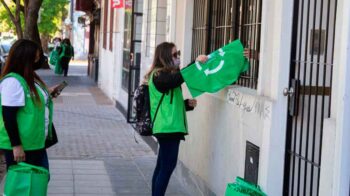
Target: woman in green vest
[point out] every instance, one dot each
(170, 125)
(66, 55)
(26, 107)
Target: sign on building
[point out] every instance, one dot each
(117, 3)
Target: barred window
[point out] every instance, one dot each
(218, 22)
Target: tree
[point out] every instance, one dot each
(22, 15)
(53, 12)
(14, 15)
(30, 10)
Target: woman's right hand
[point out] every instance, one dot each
(18, 154)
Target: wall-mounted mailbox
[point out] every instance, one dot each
(251, 168)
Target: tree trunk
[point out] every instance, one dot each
(31, 31)
(45, 39)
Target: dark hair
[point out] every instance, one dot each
(66, 41)
(20, 60)
(57, 39)
(163, 59)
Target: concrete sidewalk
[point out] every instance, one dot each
(96, 153)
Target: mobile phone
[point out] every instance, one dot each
(59, 88)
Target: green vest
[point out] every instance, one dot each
(171, 116)
(30, 119)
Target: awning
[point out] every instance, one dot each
(84, 5)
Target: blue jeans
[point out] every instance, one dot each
(33, 157)
(166, 163)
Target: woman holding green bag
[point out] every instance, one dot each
(26, 112)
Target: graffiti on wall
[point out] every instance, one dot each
(249, 103)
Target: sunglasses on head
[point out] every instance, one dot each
(176, 54)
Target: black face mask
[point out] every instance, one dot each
(37, 65)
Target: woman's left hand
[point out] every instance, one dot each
(192, 103)
(52, 91)
(202, 58)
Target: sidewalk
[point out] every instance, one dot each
(96, 153)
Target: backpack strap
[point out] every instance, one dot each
(160, 102)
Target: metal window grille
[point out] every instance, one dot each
(248, 20)
(218, 22)
(200, 28)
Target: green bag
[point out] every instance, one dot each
(243, 188)
(26, 180)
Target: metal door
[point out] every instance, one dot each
(132, 51)
(309, 93)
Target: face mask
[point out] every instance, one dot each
(176, 62)
(37, 65)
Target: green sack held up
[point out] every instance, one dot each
(26, 180)
(243, 188)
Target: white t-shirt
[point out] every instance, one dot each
(12, 94)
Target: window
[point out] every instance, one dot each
(218, 22)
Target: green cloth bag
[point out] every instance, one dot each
(26, 180)
(243, 188)
(223, 68)
(53, 57)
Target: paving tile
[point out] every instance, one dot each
(90, 183)
(94, 190)
(61, 183)
(84, 177)
(54, 177)
(90, 171)
(61, 190)
(61, 171)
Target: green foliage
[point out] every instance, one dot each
(5, 20)
(52, 14)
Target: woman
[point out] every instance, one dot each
(170, 126)
(54, 56)
(66, 55)
(26, 107)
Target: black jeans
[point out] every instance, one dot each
(65, 64)
(33, 157)
(166, 163)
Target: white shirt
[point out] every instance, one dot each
(12, 94)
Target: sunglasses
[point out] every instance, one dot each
(177, 54)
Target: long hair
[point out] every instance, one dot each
(162, 60)
(20, 60)
(66, 41)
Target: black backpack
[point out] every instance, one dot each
(144, 123)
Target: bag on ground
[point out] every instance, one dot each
(243, 188)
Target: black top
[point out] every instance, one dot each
(9, 114)
(164, 82)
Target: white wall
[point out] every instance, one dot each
(215, 148)
(341, 102)
(110, 64)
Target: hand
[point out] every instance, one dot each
(247, 53)
(53, 92)
(192, 103)
(18, 154)
(202, 58)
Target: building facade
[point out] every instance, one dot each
(283, 125)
